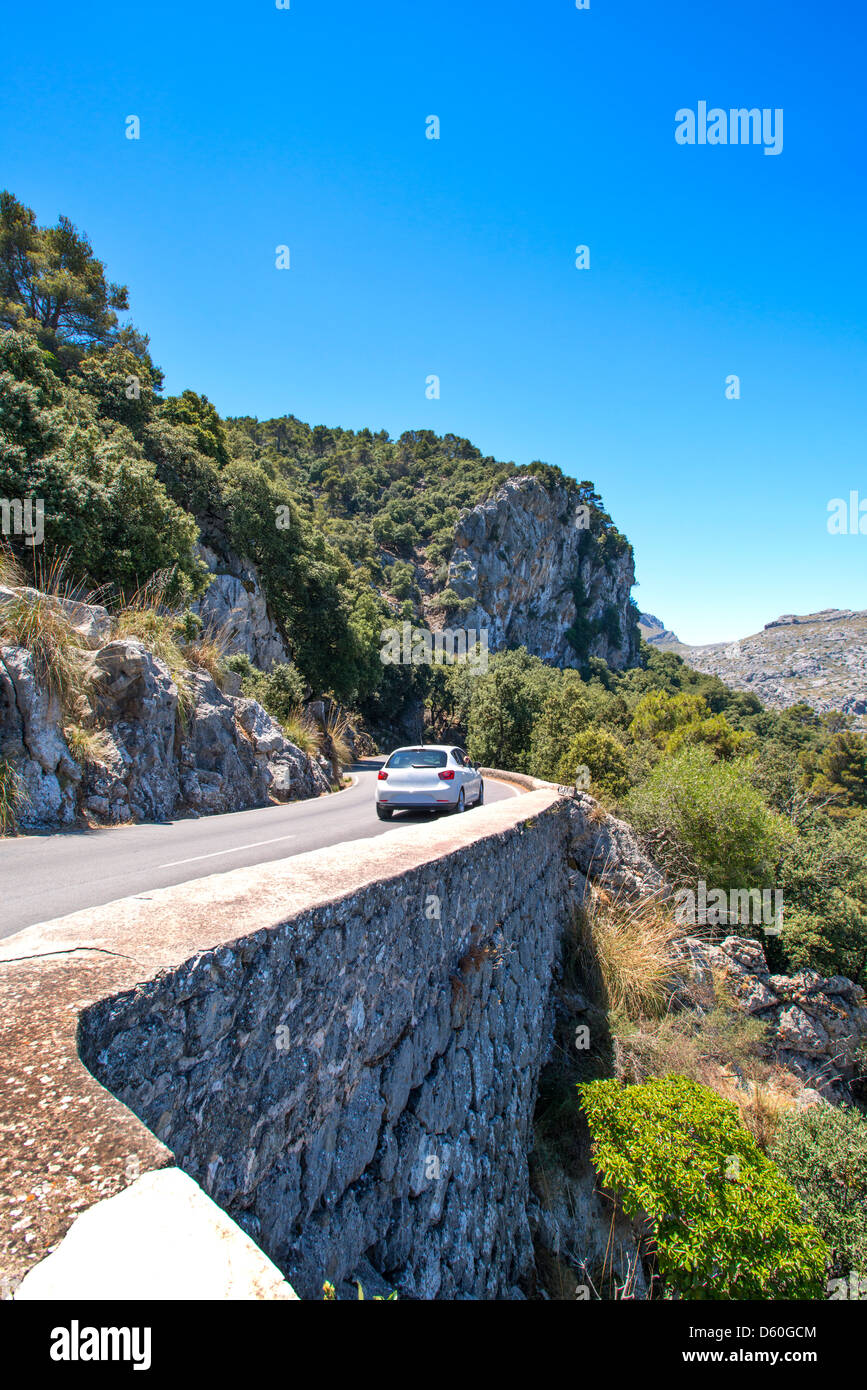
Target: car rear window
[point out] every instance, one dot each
(417, 757)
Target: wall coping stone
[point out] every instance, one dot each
(160, 1238)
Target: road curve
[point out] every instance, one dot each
(47, 876)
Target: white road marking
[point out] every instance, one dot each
(217, 854)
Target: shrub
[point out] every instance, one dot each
(704, 818)
(281, 690)
(606, 759)
(242, 665)
(823, 1153)
(724, 1222)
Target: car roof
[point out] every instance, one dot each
(436, 747)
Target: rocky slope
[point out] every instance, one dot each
(818, 658)
(537, 576)
(151, 758)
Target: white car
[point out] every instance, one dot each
(432, 777)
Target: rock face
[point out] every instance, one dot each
(815, 1025)
(817, 658)
(32, 740)
(226, 754)
(654, 631)
(606, 850)
(524, 557)
(155, 760)
(235, 602)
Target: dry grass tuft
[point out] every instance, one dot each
(12, 796)
(37, 623)
(624, 953)
(337, 725)
(87, 746)
(301, 730)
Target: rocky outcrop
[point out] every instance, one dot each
(815, 1026)
(606, 850)
(31, 739)
(154, 756)
(819, 659)
(235, 603)
(545, 572)
(224, 754)
(90, 621)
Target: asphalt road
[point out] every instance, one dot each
(46, 876)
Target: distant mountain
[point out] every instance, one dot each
(654, 631)
(818, 658)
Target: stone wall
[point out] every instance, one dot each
(357, 1087)
(342, 1049)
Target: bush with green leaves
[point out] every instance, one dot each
(280, 691)
(724, 1223)
(823, 876)
(704, 818)
(605, 758)
(823, 1153)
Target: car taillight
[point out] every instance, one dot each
(382, 777)
(447, 776)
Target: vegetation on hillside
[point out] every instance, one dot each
(720, 789)
(350, 531)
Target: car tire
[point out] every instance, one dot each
(460, 805)
(384, 813)
(481, 800)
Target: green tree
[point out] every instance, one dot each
(823, 877)
(504, 706)
(840, 770)
(52, 284)
(604, 756)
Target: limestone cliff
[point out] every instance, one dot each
(235, 602)
(545, 569)
(140, 747)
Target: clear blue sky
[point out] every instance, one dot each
(306, 127)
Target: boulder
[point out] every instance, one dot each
(31, 738)
(815, 1026)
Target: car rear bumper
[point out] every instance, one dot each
(407, 800)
